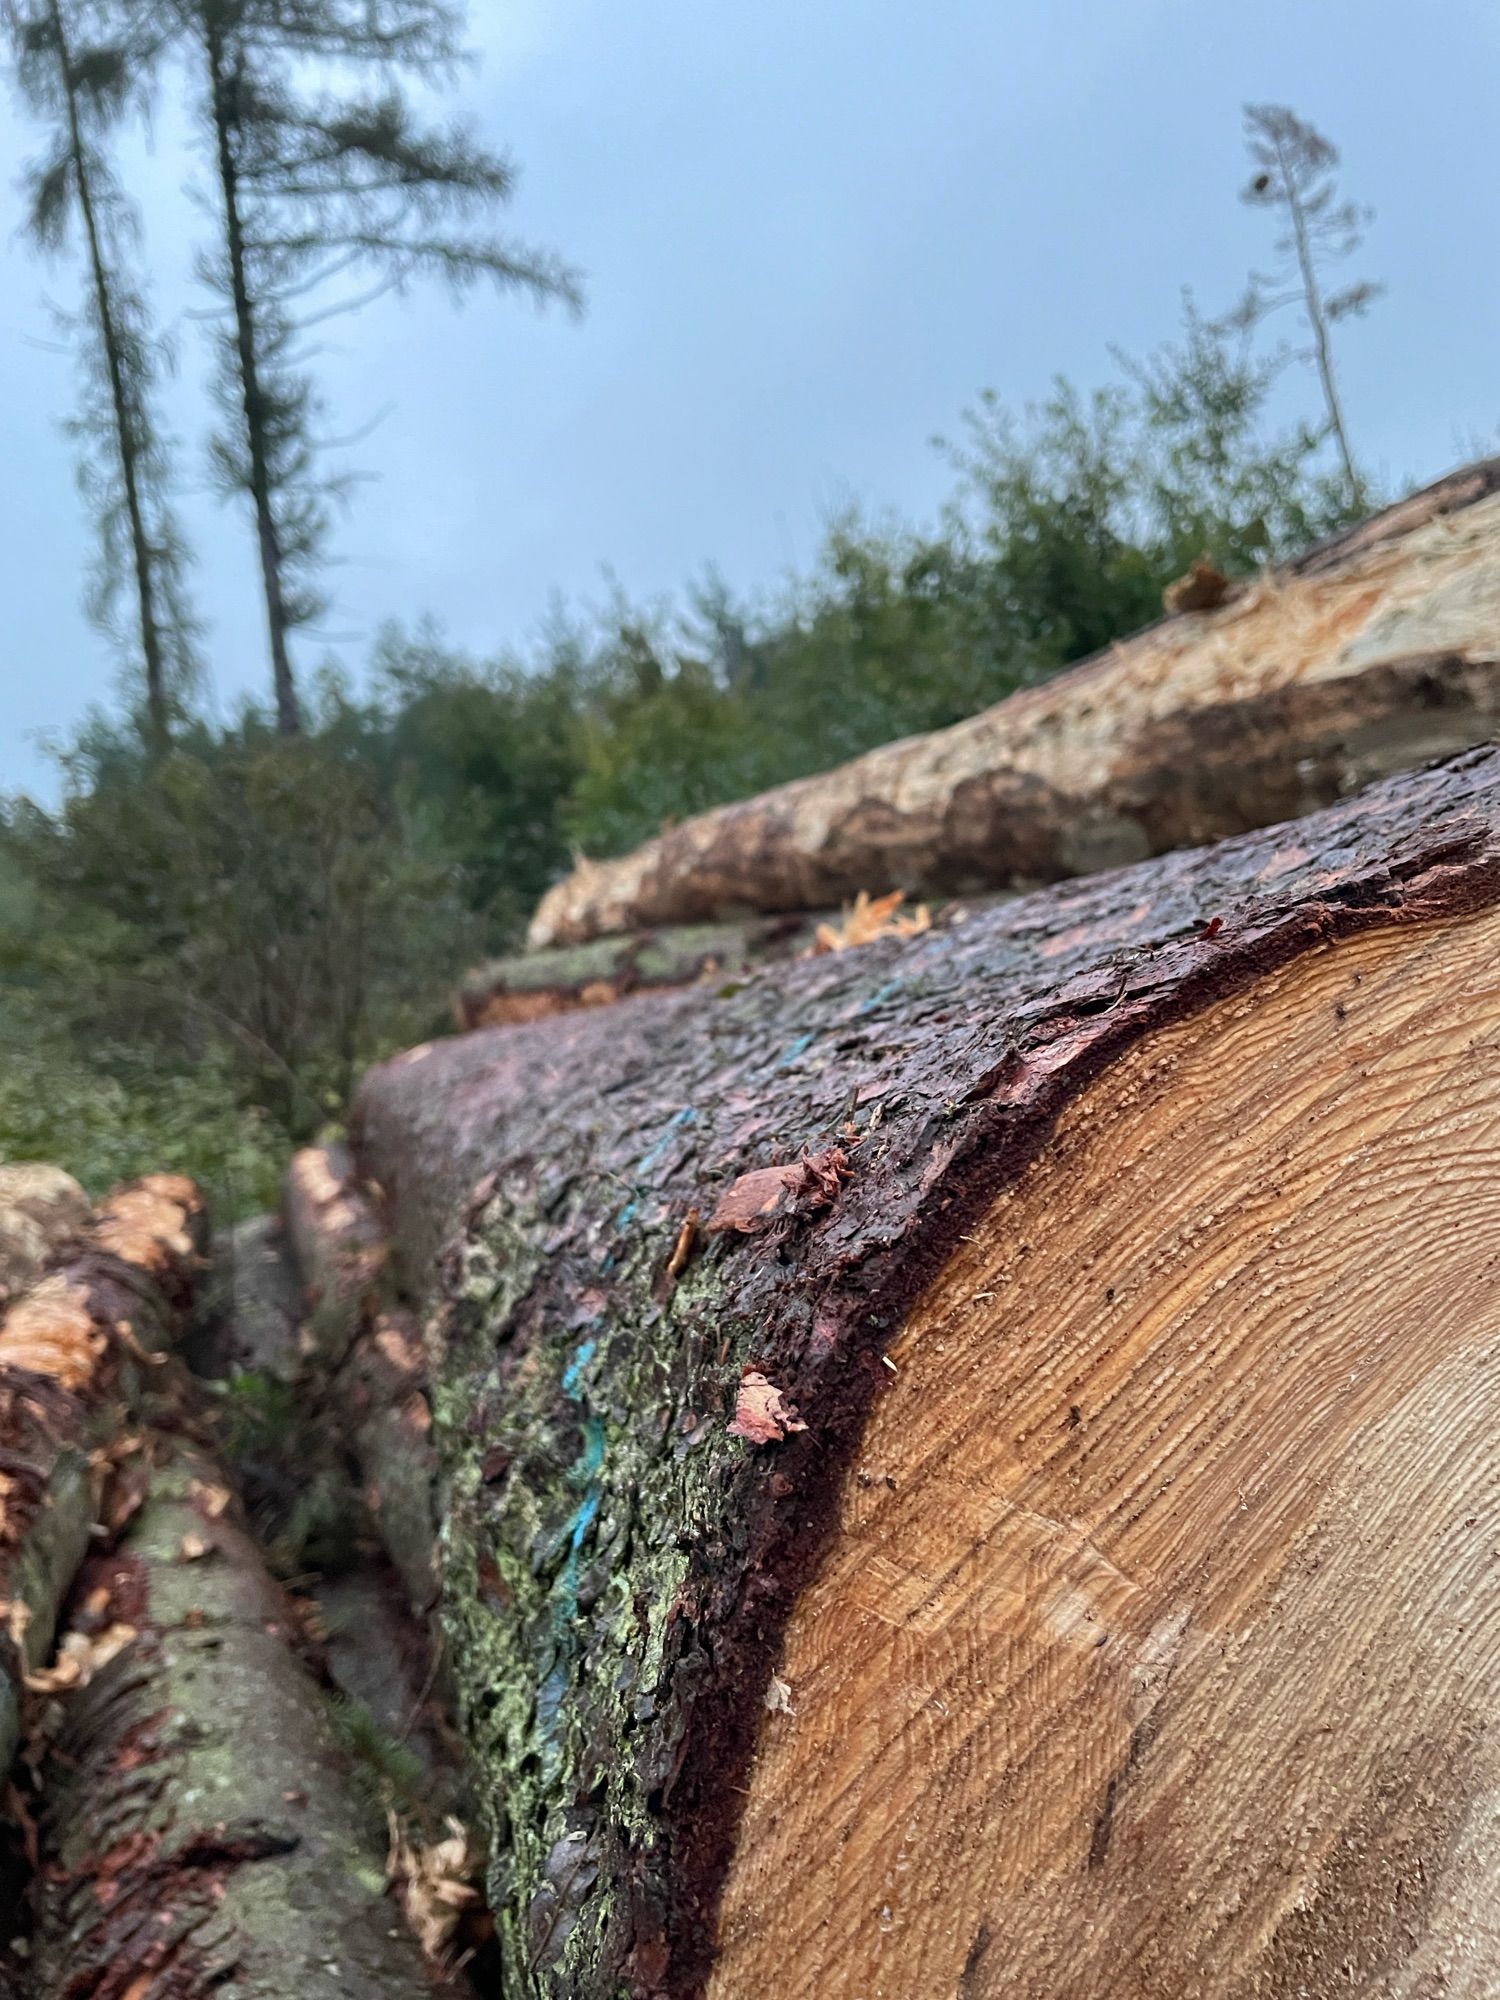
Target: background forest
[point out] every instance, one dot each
(217, 925)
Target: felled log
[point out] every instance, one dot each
(379, 1655)
(969, 1466)
(531, 985)
(71, 1349)
(204, 1835)
(1367, 657)
(40, 1208)
(369, 1357)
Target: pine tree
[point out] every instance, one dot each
(317, 191)
(1294, 173)
(77, 70)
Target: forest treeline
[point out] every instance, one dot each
(219, 924)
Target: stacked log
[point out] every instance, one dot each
(203, 1832)
(201, 1828)
(72, 1348)
(1366, 657)
(967, 1465)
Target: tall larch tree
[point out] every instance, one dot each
(1293, 174)
(323, 196)
(77, 68)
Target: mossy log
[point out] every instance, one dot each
(376, 1639)
(204, 1835)
(71, 1351)
(1368, 656)
(968, 1466)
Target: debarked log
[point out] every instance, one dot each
(1366, 657)
(968, 1467)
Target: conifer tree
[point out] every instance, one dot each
(318, 191)
(77, 66)
(1294, 174)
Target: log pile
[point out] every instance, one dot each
(202, 1826)
(1366, 657)
(967, 1463)
(942, 1456)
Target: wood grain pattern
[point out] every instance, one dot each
(1159, 1649)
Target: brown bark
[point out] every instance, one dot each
(203, 1830)
(70, 1357)
(691, 1244)
(1367, 657)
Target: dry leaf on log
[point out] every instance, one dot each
(762, 1415)
(436, 1883)
(870, 919)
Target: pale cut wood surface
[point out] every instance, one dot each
(1159, 1651)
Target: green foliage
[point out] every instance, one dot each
(108, 1112)
(241, 901)
(390, 1772)
(206, 947)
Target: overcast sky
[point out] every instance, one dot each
(811, 231)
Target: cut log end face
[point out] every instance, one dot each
(1156, 1650)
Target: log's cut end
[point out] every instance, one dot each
(1157, 1645)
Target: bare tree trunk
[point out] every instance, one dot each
(1317, 319)
(288, 709)
(158, 707)
(968, 1461)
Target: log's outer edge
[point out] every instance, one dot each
(946, 813)
(579, 1385)
(131, 1272)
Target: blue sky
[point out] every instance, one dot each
(811, 231)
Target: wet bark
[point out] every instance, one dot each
(1367, 657)
(204, 1833)
(681, 1236)
(72, 1354)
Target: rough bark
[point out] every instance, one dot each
(1365, 658)
(528, 987)
(619, 1562)
(204, 1834)
(70, 1353)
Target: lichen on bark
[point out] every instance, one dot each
(617, 1567)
